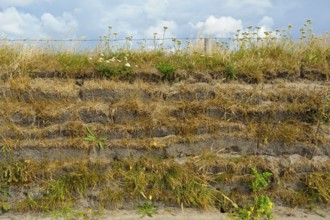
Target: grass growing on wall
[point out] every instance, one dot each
(144, 184)
(55, 99)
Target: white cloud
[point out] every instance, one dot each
(266, 21)
(123, 12)
(239, 4)
(218, 27)
(228, 26)
(159, 29)
(35, 18)
(14, 23)
(19, 24)
(62, 24)
(124, 20)
(155, 8)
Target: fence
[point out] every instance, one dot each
(201, 44)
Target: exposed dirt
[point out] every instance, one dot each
(281, 124)
(279, 212)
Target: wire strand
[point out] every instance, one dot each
(133, 39)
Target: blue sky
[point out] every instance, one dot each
(216, 18)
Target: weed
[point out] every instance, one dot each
(16, 172)
(320, 184)
(230, 72)
(262, 206)
(4, 206)
(260, 180)
(99, 141)
(13, 171)
(146, 208)
(117, 66)
(7, 152)
(167, 70)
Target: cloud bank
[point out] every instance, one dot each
(142, 18)
(26, 25)
(218, 27)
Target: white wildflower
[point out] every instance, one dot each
(128, 65)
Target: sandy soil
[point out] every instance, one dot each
(191, 214)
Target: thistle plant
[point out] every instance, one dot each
(147, 208)
(91, 137)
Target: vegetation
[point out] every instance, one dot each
(261, 180)
(167, 71)
(256, 95)
(192, 184)
(99, 141)
(148, 209)
(252, 56)
(263, 205)
(318, 184)
(4, 206)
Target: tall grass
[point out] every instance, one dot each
(251, 55)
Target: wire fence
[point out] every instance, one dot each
(202, 44)
(133, 39)
(111, 40)
(127, 43)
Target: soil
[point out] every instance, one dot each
(279, 213)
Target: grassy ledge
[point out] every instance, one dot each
(247, 57)
(145, 184)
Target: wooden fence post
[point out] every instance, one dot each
(208, 44)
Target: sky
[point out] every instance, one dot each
(89, 19)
